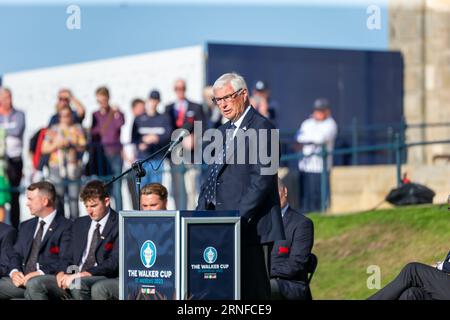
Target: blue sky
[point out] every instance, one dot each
(35, 33)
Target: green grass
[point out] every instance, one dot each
(347, 245)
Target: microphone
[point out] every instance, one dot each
(186, 130)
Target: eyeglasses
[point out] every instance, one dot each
(228, 97)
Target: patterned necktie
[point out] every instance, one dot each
(210, 191)
(90, 260)
(33, 257)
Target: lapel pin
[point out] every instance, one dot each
(244, 128)
(50, 229)
(103, 238)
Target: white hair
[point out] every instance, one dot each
(236, 81)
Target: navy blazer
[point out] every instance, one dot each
(55, 242)
(193, 110)
(290, 257)
(107, 251)
(8, 236)
(242, 187)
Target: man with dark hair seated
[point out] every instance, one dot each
(93, 253)
(290, 257)
(40, 244)
(153, 197)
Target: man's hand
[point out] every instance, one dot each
(68, 279)
(60, 278)
(30, 276)
(17, 278)
(65, 280)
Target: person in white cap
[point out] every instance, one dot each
(314, 133)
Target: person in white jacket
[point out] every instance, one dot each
(315, 132)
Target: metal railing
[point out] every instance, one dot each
(397, 147)
(357, 132)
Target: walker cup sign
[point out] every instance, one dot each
(149, 258)
(212, 259)
(173, 255)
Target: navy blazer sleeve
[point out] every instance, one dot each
(261, 185)
(6, 250)
(110, 266)
(16, 254)
(300, 250)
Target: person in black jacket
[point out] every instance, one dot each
(41, 243)
(93, 254)
(290, 257)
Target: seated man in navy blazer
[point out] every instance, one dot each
(93, 254)
(290, 257)
(153, 197)
(7, 239)
(40, 244)
(249, 186)
(418, 281)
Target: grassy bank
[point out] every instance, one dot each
(347, 245)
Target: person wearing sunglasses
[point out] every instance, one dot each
(67, 99)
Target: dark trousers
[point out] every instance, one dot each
(255, 283)
(107, 289)
(14, 173)
(46, 288)
(310, 192)
(416, 281)
(9, 291)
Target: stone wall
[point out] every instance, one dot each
(365, 187)
(420, 29)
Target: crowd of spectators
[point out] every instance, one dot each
(65, 150)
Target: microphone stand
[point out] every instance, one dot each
(140, 171)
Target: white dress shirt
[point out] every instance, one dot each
(283, 211)
(48, 221)
(90, 233)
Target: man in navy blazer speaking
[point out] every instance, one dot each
(40, 244)
(93, 253)
(238, 179)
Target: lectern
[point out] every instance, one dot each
(179, 255)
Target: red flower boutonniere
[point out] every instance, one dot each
(282, 250)
(109, 246)
(54, 250)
